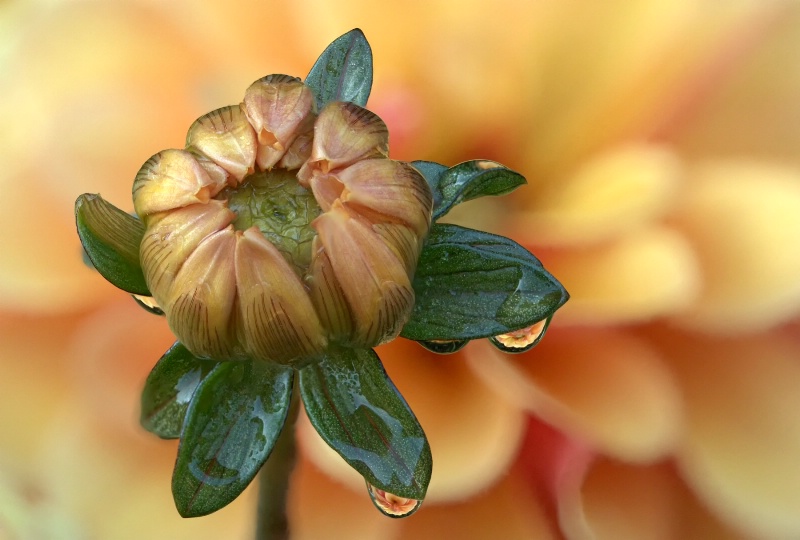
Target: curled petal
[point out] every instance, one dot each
(385, 190)
(343, 134)
(299, 151)
(327, 294)
(279, 108)
(374, 281)
(326, 189)
(171, 179)
(227, 138)
(218, 175)
(170, 238)
(201, 307)
(278, 320)
(404, 243)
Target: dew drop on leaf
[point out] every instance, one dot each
(444, 346)
(522, 340)
(390, 504)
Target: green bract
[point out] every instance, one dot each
(228, 414)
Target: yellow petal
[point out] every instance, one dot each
(742, 438)
(404, 243)
(648, 273)
(171, 179)
(201, 305)
(279, 323)
(279, 108)
(225, 136)
(343, 134)
(171, 237)
(605, 388)
(743, 219)
(327, 295)
(374, 281)
(614, 192)
(384, 190)
(474, 436)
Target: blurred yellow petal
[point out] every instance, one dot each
(171, 179)
(279, 108)
(603, 387)
(742, 439)
(278, 320)
(473, 435)
(374, 281)
(610, 194)
(648, 273)
(225, 136)
(743, 219)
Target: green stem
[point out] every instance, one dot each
(272, 522)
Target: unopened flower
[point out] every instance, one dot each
(278, 230)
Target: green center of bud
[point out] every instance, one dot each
(282, 210)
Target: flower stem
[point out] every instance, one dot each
(272, 522)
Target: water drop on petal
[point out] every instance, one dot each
(390, 504)
(521, 340)
(444, 346)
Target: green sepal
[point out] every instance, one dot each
(343, 72)
(169, 389)
(233, 421)
(357, 410)
(111, 240)
(471, 284)
(466, 181)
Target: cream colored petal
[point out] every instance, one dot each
(610, 194)
(327, 295)
(343, 134)
(374, 281)
(384, 190)
(603, 387)
(507, 510)
(321, 507)
(739, 451)
(201, 303)
(171, 237)
(225, 136)
(171, 179)
(278, 321)
(648, 273)
(474, 436)
(743, 219)
(279, 108)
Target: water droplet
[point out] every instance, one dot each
(148, 303)
(390, 504)
(444, 346)
(522, 340)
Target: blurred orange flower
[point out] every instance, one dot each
(660, 140)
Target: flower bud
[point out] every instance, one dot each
(278, 231)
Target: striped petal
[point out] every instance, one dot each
(279, 108)
(278, 319)
(225, 136)
(201, 309)
(171, 179)
(344, 133)
(327, 294)
(171, 238)
(374, 281)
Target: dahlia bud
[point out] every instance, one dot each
(277, 230)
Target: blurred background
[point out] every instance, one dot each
(661, 142)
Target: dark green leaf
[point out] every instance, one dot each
(343, 72)
(357, 410)
(471, 284)
(169, 388)
(111, 240)
(233, 421)
(466, 181)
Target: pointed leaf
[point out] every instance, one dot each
(169, 389)
(466, 181)
(358, 411)
(471, 284)
(343, 72)
(233, 421)
(111, 240)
